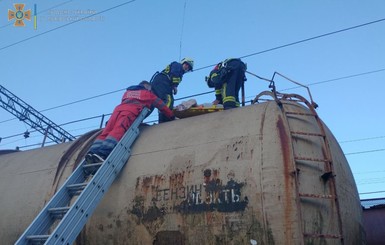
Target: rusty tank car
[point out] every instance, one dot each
(267, 173)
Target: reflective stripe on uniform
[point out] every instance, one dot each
(224, 86)
(213, 75)
(169, 101)
(176, 80)
(229, 99)
(127, 101)
(167, 69)
(159, 103)
(226, 98)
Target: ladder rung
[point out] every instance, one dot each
(58, 212)
(311, 159)
(316, 196)
(104, 173)
(76, 188)
(308, 134)
(93, 165)
(91, 168)
(317, 235)
(300, 113)
(37, 238)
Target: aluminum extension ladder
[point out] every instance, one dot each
(74, 216)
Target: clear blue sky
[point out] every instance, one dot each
(127, 44)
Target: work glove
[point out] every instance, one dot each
(175, 90)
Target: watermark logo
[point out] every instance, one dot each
(73, 15)
(19, 14)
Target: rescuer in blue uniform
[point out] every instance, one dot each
(165, 84)
(227, 78)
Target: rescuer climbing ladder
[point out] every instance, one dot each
(89, 182)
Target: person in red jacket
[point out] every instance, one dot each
(133, 101)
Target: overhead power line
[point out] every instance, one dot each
(194, 95)
(364, 139)
(372, 192)
(62, 26)
(363, 152)
(301, 41)
(245, 56)
(316, 37)
(71, 103)
(336, 79)
(26, 113)
(181, 32)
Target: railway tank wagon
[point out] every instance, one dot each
(267, 173)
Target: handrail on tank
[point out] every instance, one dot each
(273, 92)
(277, 95)
(299, 84)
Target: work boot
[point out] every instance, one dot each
(89, 158)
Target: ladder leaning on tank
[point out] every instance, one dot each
(89, 182)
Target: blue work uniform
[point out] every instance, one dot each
(164, 82)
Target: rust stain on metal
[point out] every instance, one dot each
(206, 176)
(137, 183)
(153, 213)
(286, 151)
(158, 180)
(177, 179)
(146, 184)
(215, 173)
(169, 237)
(138, 207)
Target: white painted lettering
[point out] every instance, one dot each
(234, 197)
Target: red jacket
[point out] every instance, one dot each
(139, 97)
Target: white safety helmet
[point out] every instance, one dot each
(189, 61)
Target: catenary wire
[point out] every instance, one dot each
(363, 152)
(336, 79)
(181, 32)
(363, 139)
(71, 103)
(371, 192)
(245, 56)
(302, 41)
(199, 94)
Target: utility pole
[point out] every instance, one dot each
(32, 117)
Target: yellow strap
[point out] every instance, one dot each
(168, 104)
